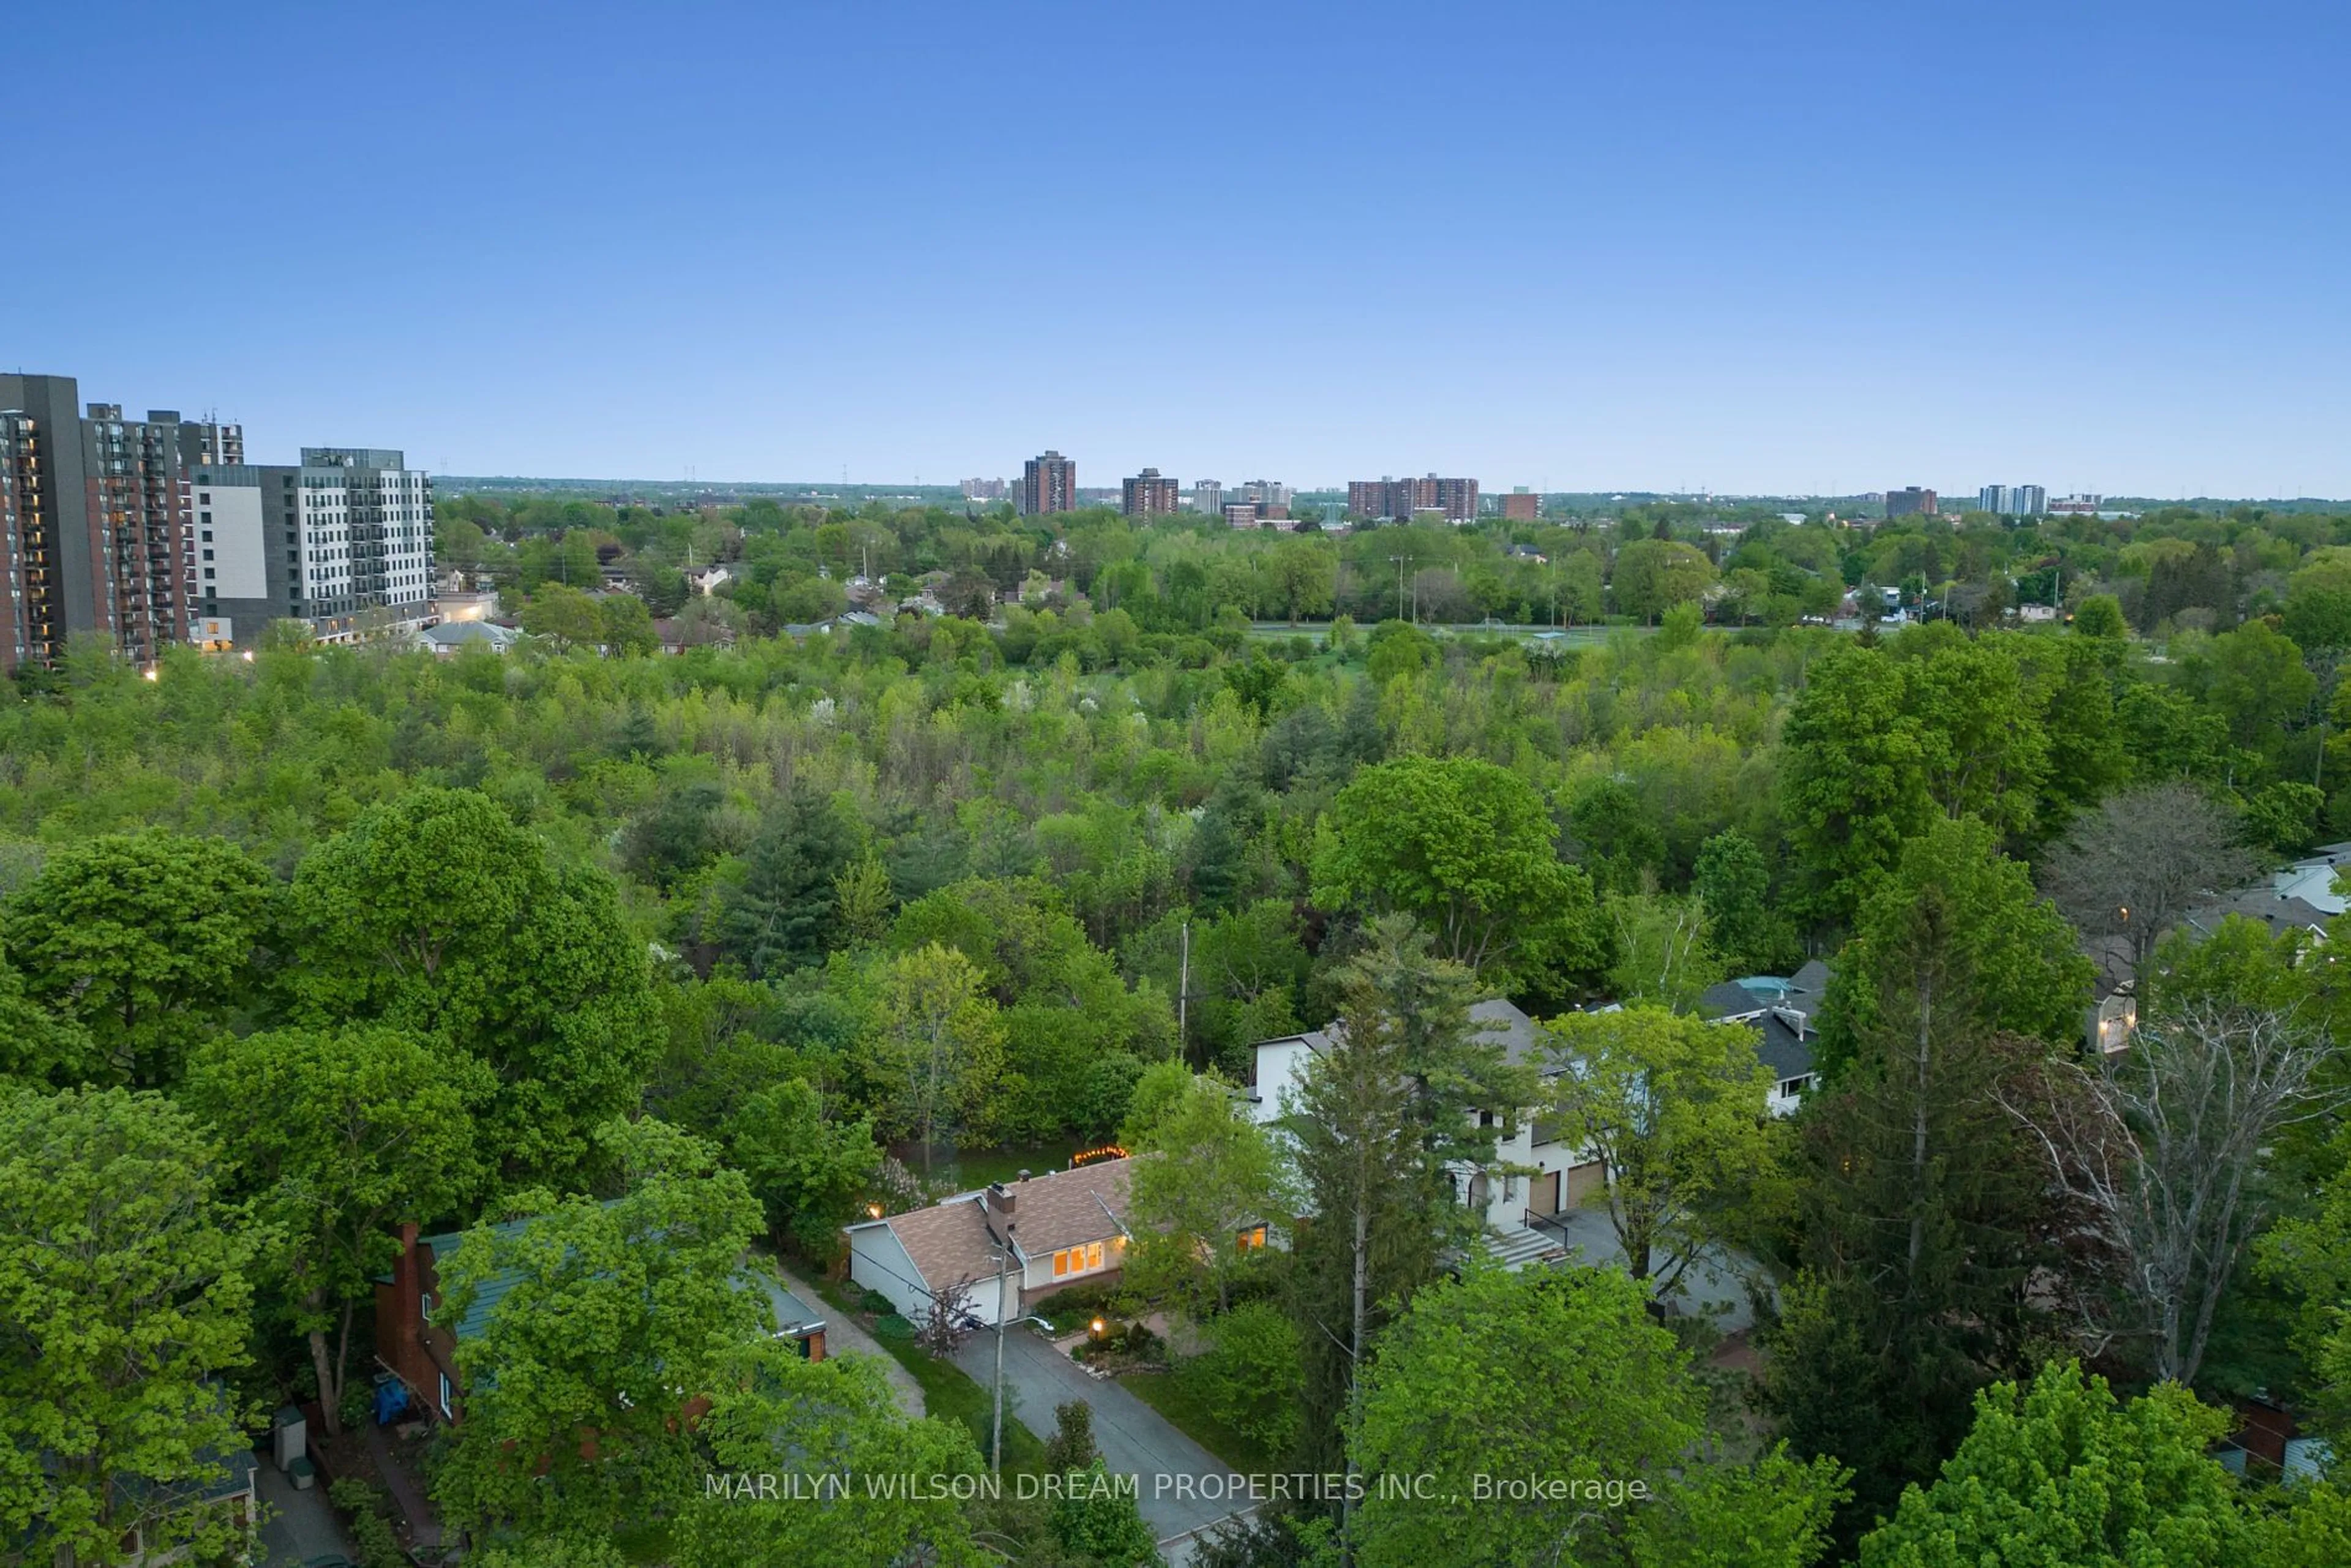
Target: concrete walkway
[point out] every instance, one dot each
(842, 1336)
(299, 1524)
(1179, 1486)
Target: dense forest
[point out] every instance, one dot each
(685, 954)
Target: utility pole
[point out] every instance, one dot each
(996, 1442)
(1183, 996)
(1398, 561)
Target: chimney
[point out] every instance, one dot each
(1001, 1199)
(407, 1284)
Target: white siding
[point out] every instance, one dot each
(879, 1262)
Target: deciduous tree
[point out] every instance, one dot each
(1203, 1170)
(144, 939)
(614, 1315)
(2060, 1471)
(1676, 1107)
(435, 912)
(2134, 867)
(936, 1045)
(1559, 1373)
(1466, 848)
(365, 1126)
(124, 1305)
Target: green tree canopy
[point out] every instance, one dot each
(613, 1316)
(124, 1306)
(435, 912)
(146, 940)
(1676, 1105)
(2060, 1471)
(1466, 848)
(1559, 1373)
(365, 1126)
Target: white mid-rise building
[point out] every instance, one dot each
(357, 527)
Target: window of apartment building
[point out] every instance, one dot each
(1077, 1260)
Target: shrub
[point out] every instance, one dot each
(1252, 1375)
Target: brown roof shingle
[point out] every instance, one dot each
(950, 1242)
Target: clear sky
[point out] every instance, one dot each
(1652, 243)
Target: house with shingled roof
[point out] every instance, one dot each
(1003, 1249)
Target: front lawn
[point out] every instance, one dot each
(947, 1392)
(1165, 1393)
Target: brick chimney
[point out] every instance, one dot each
(407, 1292)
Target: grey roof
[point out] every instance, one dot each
(1785, 1049)
(792, 1314)
(2280, 913)
(455, 633)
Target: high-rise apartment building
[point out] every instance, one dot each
(984, 489)
(1241, 514)
(1208, 498)
(1456, 500)
(1150, 493)
(1911, 502)
(2013, 500)
(1049, 484)
(1521, 506)
(342, 541)
(356, 531)
(97, 519)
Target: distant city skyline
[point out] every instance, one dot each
(1685, 248)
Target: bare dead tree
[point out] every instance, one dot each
(2138, 864)
(2162, 1152)
(950, 1320)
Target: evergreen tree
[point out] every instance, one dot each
(1385, 1121)
(1920, 1220)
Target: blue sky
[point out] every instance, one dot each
(1814, 247)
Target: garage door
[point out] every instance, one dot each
(1585, 1182)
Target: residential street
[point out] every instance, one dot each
(1134, 1440)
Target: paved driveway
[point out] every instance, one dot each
(1711, 1286)
(1134, 1440)
(299, 1525)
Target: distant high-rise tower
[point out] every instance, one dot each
(1049, 484)
(1150, 493)
(94, 508)
(1522, 506)
(1911, 502)
(1209, 497)
(2012, 500)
